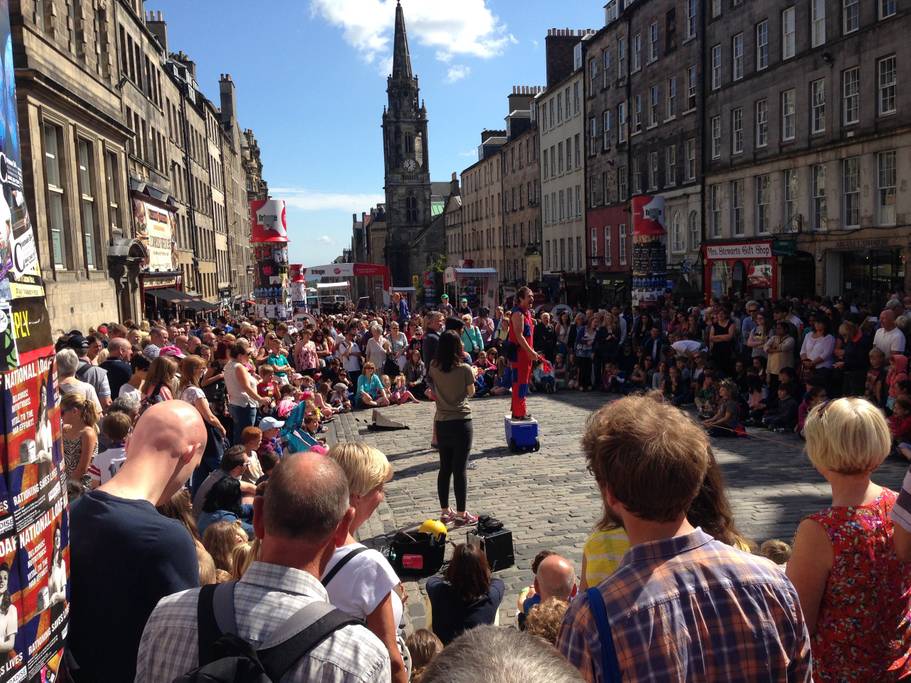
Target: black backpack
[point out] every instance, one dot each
(225, 657)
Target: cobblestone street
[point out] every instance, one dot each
(549, 501)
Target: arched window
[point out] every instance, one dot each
(411, 209)
(677, 244)
(693, 229)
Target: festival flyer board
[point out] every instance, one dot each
(34, 527)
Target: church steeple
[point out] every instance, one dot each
(401, 58)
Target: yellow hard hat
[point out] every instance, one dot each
(433, 526)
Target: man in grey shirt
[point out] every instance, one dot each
(302, 517)
(91, 374)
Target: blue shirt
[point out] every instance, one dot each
(373, 387)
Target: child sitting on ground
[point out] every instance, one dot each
(268, 386)
(338, 399)
(312, 427)
(875, 384)
(783, 416)
(286, 403)
(400, 394)
(503, 383)
(251, 438)
(757, 393)
(560, 372)
(814, 396)
(612, 379)
(637, 378)
(900, 427)
(325, 410)
(543, 376)
(707, 396)
(898, 372)
(776, 550)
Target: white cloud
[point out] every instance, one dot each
(317, 200)
(469, 153)
(451, 29)
(457, 72)
(325, 239)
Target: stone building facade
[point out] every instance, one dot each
(807, 137)
(482, 204)
(73, 141)
(521, 191)
(135, 195)
(561, 120)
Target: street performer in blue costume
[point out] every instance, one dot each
(519, 351)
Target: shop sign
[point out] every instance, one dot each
(155, 229)
(784, 247)
(865, 244)
(736, 251)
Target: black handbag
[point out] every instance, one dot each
(390, 367)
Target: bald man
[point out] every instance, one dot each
(302, 517)
(889, 338)
(124, 555)
(556, 578)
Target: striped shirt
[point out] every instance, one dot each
(266, 596)
(901, 511)
(691, 608)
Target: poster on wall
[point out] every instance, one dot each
(649, 250)
(155, 230)
(34, 533)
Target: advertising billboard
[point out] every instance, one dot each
(268, 221)
(34, 527)
(155, 229)
(649, 250)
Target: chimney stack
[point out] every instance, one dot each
(156, 24)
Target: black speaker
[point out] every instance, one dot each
(497, 547)
(416, 554)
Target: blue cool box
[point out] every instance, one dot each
(521, 433)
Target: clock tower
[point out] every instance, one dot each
(407, 171)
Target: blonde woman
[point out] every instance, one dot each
(854, 591)
(80, 434)
(192, 369)
(360, 581)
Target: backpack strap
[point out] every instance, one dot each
(341, 563)
(303, 631)
(215, 615)
(610, 667)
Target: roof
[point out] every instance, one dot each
(436, 208)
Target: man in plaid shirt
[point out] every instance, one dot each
(681, 606)
(301, 519)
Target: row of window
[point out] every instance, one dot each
(819, 217)
(570, 151)
(552, 110)
(602, 252)
(563, 205)
(138, 68)
(850, 24)
(523, 152)
(516, 197)
(559, 255)
(662, 106)
(93, 206)
(885, 98)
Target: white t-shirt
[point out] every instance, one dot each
(129, 390)
(363, 583)
(889, 342)
(106, 464)
(192, 394)
(350, 363)
(686, 346)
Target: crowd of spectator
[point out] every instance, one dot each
(200, 476)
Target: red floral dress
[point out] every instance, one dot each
(864, 627)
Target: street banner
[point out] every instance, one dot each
(268, 221)
(155, 230)
(649, 250)
(34, 526)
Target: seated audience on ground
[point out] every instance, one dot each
(544, 619)
(854, 591)
(116, 428)
(233, 463)
(555, 577)
(649, 461)
(220, 539)
(223, 503)
(423, 646)
(467, 596)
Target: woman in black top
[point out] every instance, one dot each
(721, 341)
(466, 597)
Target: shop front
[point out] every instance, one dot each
(864, 269)
(740, 269)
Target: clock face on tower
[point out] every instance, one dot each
(409, 165)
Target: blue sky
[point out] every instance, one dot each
(311, 81)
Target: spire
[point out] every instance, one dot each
(401, 58)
